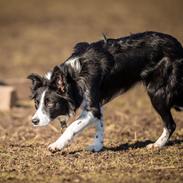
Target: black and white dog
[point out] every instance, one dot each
(97, 72)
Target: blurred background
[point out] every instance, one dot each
(35, 35)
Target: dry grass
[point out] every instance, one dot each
(35, 36)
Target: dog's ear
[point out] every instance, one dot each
(37, 81)
(58, 80)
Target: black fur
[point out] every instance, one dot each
(112, 66)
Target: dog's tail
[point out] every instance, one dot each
(166, 77)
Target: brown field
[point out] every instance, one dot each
(35, 36)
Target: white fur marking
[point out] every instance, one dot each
(40, 114)
(162, 140)
(99, 136)
(74, 63)
(48, 75)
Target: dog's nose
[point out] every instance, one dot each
(35, 121)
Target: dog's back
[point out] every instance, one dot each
(151, 57)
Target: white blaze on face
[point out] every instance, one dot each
(41, 114)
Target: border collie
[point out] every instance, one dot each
(97, 72)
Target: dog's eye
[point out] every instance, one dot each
(49, 104)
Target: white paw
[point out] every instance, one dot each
(54, 147)
(95, 148)
(153, 146)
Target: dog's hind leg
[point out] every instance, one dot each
(161, 82)
(166, 116)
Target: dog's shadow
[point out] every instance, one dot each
(127, 146)
(139, 144)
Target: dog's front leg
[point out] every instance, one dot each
(99, 136)
(75, 128)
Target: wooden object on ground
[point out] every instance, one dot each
(8, 97)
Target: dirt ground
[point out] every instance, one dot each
(35, 36)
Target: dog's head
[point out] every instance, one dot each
(50, 96)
